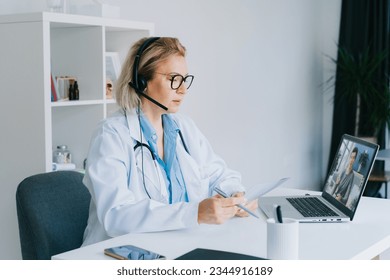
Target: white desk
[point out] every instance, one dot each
(367, 236)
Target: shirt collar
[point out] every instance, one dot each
(169, 124)
(147, 129)
(170, 127)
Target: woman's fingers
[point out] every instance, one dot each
(216, 210)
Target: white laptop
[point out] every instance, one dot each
(343, 189)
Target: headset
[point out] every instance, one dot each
(139, 82)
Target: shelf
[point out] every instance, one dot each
(34, 47)
(81, 102)
(63, 20)
(41, 45)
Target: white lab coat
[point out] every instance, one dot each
(119, 203)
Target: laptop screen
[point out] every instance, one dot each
(349, 173)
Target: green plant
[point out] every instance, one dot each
(357, 81)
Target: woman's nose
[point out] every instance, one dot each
(182, 89)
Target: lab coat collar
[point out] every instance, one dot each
(134, 126)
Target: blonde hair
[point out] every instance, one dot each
(158, 51)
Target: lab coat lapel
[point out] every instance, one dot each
(134, 126)
(197, 183)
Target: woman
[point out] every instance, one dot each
(148, 168)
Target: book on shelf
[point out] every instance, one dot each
(113, 66)
(63, 166)
(54, 91)
(63, 83)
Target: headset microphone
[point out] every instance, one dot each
(147, 97)
(139, 82)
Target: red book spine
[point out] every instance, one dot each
(53, 90)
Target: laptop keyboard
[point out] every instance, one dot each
(311, 207)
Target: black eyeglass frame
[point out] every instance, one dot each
(183, 79)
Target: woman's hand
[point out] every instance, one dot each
(216, 209)
(252, 205)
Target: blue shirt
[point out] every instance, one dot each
(173, 177)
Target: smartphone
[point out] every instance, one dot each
(130, 252)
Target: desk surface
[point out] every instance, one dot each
(367, 236)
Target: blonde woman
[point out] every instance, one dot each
(150, 168)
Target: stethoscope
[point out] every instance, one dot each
(140, 145)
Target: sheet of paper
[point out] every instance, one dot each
(260, 189)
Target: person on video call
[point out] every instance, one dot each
(344, 181)
(149, 168)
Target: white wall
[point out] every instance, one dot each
(328, 40)
(259, 67)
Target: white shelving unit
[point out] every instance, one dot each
(34, 46)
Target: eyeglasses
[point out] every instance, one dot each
(177, 80)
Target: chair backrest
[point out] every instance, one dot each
(52, 211)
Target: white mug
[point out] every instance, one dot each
(283, 239)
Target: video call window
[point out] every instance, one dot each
(349, 169)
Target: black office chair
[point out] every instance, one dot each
(52, 213)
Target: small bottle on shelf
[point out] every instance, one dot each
(76, 91)
(71, 92)
(62, 159)
(62, 154)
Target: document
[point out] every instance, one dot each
(262, 188)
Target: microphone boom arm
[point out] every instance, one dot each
(148, 97)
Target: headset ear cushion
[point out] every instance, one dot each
(142, 83)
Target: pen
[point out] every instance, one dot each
(278, 211)
(222, 193)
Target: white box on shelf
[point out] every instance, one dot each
(100, 10)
